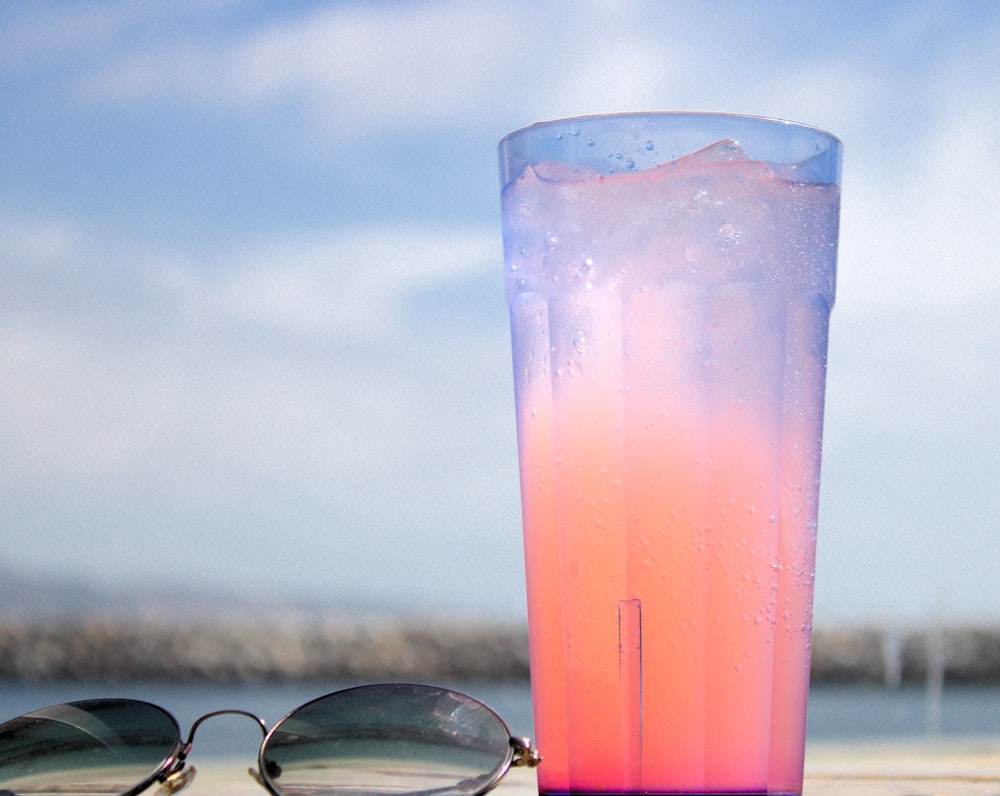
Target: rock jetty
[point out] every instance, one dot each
(244, 650)
(249, 650)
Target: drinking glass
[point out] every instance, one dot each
(670, 278)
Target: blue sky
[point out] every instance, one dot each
(252, 328)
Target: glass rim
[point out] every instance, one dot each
(635, 115)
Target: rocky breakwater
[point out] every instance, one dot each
(241, 649)
(952, 654)
(237, 649)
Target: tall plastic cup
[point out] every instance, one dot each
(670, 279)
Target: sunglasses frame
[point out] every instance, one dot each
(174, 773)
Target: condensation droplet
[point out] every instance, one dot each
(649, 145)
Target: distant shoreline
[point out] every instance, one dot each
(243, 649)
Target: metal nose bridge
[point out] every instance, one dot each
(178, 776)
(226, 712)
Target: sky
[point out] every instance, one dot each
(253, 335)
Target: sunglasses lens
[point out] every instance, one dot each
(101, 746)
(388, 739)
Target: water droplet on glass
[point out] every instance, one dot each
(649, 145)
(591, 141)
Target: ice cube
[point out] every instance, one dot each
(554, 171)
(725, 151)
(817, 169)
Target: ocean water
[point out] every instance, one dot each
(843, 712)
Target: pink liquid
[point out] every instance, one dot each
(669, 389)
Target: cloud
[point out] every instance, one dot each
(354, 67)
(176, 359)
(37, 242)
(48, 33)
(276, 388)
(927, 237)
(350, 283)
(919, 198)
(330, 384)
(918, 192)
(54, 32)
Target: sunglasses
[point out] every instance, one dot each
(403, 739)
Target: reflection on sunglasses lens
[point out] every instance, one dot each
(99, 746)
(394, 738)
